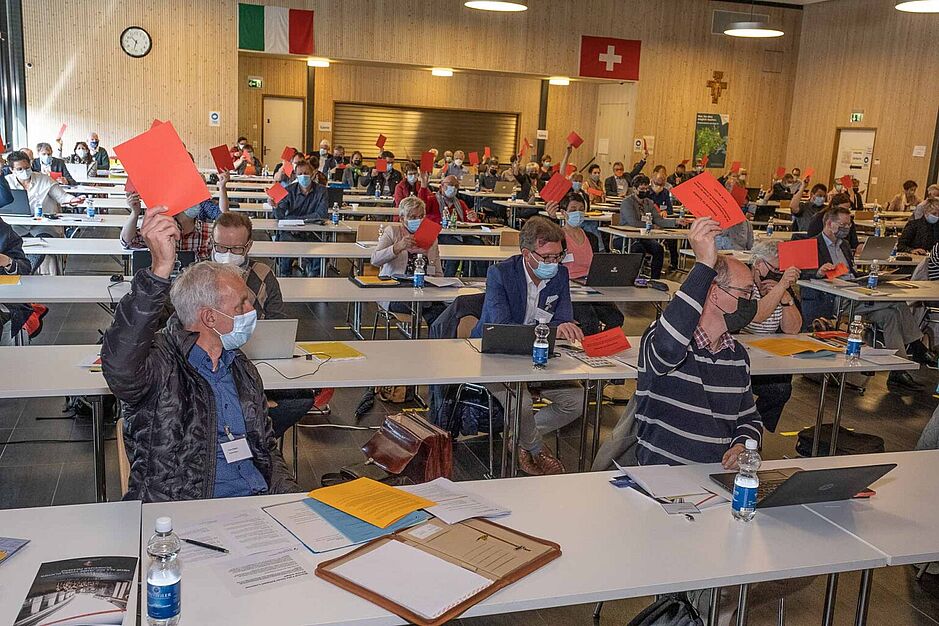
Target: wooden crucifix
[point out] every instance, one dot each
(716, 85)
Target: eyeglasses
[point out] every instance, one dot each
(746, 294)
(232, 249)
(550, 258)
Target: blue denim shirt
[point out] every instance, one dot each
(241, 478)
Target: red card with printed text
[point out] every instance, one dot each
(61, 131)
(840, 270)
(427, 162)
(276, 192)
(287, 154)
(780, 172)
(474, 158)
(381, 165)
(287, 167)
(380, 142)
(556, 188)
(705, 196)
(426, 234)
(575, 140)
(487, 152)
(151, 175)
(607, 343)
(221, 155)
(735, 167)
(801, 254)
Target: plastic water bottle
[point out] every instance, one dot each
(419, 271)
(747, 483)
(681, 212)
(265, 171)
(514, 196)
(90, 208)
(877, 228)
(648, 218)
(335, 214)
(163, 575)
(477, 184)
(873, 276)
(37, 212)
(539, 351)
(852, 351)
(377, 190)
(445, 217)
(453, 218)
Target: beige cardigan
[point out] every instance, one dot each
(396, 264)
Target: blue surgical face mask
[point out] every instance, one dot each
(575, 186)
(45, 159)
(546, 271)
(93, 144)
(449, 192)
(192, 212)
(932, 219)
(575, 218)
(818, 200)
(241, 331)
(413, 225)
(305, 180)
(323, 151)
(412, 178)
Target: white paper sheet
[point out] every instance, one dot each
(263, 571)
(439, 281)
(310, 528)
(244, 533)
(454, 504)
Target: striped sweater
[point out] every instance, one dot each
(692, 405)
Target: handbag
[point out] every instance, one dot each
(408, 445)
(669, 610)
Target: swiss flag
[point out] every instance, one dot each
(605, 57)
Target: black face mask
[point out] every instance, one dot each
(738, 320)
(645, 194)
(773, 275)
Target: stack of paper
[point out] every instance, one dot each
(371, 501)
(454, 504)
(332, 350)
(788, 346)
(10, 280)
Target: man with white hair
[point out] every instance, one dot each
(196, 423)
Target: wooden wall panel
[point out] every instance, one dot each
(282, 77)
(878, 60)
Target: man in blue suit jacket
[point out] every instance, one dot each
(529, 288)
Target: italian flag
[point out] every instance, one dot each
(275, 30)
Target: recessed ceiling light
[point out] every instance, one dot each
(752, 29)
(317, 62)
(563, 81)
(496, 5)
(441, 71)
(918, 6)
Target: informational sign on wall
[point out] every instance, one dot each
(919, 151)
(255, 82)
(325, 127)
(710, 138)
(215, 118)
(542, 134)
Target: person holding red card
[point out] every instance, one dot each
(239, 147)
(50, 165)
(355, 175)
(281, 174)
(305, 200)
(804, 211)
(385, 180)
(247, 164)
(445, 206)
(632, 211)
(456, 167)
(410, 185)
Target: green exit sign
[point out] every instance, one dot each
(857, 116)
(255, 82)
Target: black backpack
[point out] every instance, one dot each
(669, 610)
(468, 419)
(849, 442)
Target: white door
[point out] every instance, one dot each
(855, 155)
(283, 126)
(615, 121)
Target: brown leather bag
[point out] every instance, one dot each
(409, 445)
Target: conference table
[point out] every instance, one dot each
(744, 256)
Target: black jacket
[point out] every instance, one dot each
(918, 234)
(825, 257)
(817, 223)
(11, 245)
(610, 183)
(393, 179)
(170, 417)
(57, 165)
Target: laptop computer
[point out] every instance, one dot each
(764, 212)
(512, 339)
(504, 186)
(19, 206)
(468, 181)
(878, 248)
(613, 270)
(791, 485)
(272, 339)
(141, 260)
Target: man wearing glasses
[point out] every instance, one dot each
(529, 288)
(231, 242)
(693, 397)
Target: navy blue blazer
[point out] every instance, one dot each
(507, 295)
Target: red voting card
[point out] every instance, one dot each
(129, 186)
(739, 194)
(685, 161)
(556, 188)
(704, 161)
(780, 172)
(427, 162)
(525, 146)
(571, 168)
(276, 192)
(3, 147)
(287, 167)
(61, 131)
(594, 192)
(381, 165)
(172, 180)
(704, 196)
(156, 123)
(556, 168)
(840, 270)
(735, 167)
(222, 157)
(487, 152)
(607, 343)
(808, 172)
(474, 158)
(575, 140)
(56, 175)
(801, 254)
(847, 181)
(380, 142)
(426, 234)
(287, 154)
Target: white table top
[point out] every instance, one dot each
(920, 290)
(369, 211)
(65, 532)
(630, 549)
(744, 257)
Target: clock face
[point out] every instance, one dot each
(136, 42)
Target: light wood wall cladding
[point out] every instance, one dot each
(282, 77)
(878, 60)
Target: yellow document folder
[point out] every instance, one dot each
(370, 501)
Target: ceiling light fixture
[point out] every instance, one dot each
(501, 6)
(441, 71)
(317, 62)
(752, 28)
(918, 6)
(562, 81)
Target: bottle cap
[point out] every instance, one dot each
(164, 524)
(857, 318)
(751, 444)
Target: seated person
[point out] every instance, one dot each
(920, 235)
(409, 185)
(489, 175)
(355, 175)
(899, 328)
(194, 224)
(619, 183)
(397, 250)
(443, 205)
(529, 288)
(48, 164)
(777, 311)
(238, 148)
(804, 211)
(679, 176)
(385, 181)
(82, 155)
(782, 189)
(907, 199)
(171, 380)
(305, 200)
(694, 403)
(455, 167)
(595, 183)
(12, 262)
(839, 200)
(931, 192)
(247, 164)
(580, 245)
(280, 176)
(632, 212)
(98, 153)
(737, 237)
(327, 161)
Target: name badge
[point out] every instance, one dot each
(236, 450)
(543, 316)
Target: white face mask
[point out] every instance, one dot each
(22, 174)
(228, 258)
(458, 162)
(81, 153)
(45, 159)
